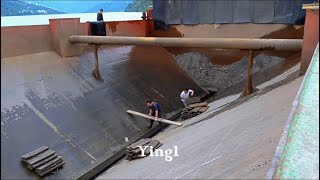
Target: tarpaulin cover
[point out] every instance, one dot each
(222, 11)
(206, 12)
(189, 17)
(173, 11)
(284, 11)
(242, 11)
(263, 11)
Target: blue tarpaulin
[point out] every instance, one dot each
(226, 11)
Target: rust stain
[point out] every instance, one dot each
(134, 22)
(113, 26)
(171, 32)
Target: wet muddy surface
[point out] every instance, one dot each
(47, 100)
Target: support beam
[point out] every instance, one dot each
(250, 64)
(96, 71)
(249, 87)
(223, 43)
(153, 118)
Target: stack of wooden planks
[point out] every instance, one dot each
(134, 152)
(193, 110)
(193, 100)
(43, 160)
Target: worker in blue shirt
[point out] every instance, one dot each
(155, 111)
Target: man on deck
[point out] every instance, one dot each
(186, 94)
(155, 111)
(100, 15)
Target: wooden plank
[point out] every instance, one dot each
(40, 157)
(141, 142)
(51, 169)
(193, 100)
(154, 143)
(48, 165)
(203, 109)
(138, 156)
(153, 118)
(198, 104)
(196, 109)
(35, 152)
(136, 151)
(212, 90)
(157, 146)
(42, 162)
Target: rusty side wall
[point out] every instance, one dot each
(310, 39)
(127, 28)
(24, 40)
(34, 39)
(61, 29)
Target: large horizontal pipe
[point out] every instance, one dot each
(222, 43)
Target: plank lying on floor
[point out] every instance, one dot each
(196, 109)
(38, 164)
(52, 168)
(50, 164)
(153, 118)
(203, 109)
(193, 100)
(141, 142)
(198, 104)
(35, 152)
(39, 158)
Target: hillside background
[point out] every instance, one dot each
(21, 8)
(138, 6)
(38, 7)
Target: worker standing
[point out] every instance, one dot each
(186, 94)
(100, 15)
(155, 111)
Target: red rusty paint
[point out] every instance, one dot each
(310, 38)
(150, 13)
(89, 32)
(150, 21)
(128, 28)
(113, 26)
(21, 40)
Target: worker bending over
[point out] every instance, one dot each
(186, 94)
(155, 111)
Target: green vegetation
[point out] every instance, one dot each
(20, 8)
(138, 6)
